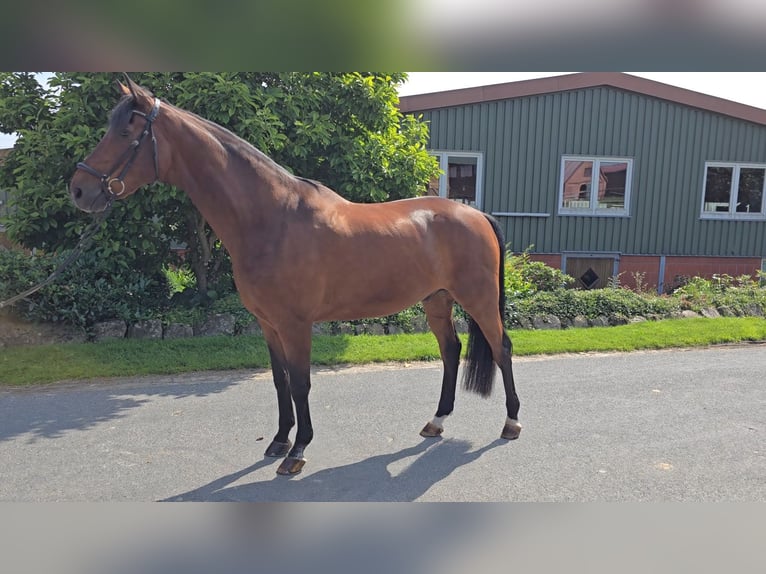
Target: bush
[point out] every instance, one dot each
(523, 277)
(86, 292)
(736, 293)
(569, 303)
(179, 278)
(91, 290)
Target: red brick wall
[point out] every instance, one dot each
(550, 259)
(707, 267)
(649, 265)
(687, 266)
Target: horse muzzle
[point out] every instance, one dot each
(92, 198)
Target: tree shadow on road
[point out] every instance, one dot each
(51, 413)
(369, 480)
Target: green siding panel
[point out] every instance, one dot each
(523, 139)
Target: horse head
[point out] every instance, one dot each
(126, 157)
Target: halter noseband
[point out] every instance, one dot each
(130, 154)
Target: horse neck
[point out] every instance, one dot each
(233, 185)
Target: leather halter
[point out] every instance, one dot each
(107, 181)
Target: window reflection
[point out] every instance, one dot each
(718, 188)
(750, 192)
(612, 181)
(461, 179)
(577, 184)
(607, 190)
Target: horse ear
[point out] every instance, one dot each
(131, 86)
(122, 87)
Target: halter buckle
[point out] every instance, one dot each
(109, 186)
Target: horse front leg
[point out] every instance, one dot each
(281, 444)
(297, 345)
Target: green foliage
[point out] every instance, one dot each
(569, 303)
(524, 277)
(343, 129)
(64, 127)
(86, 292)
(722, 290)
(22, 102)
(179, 278)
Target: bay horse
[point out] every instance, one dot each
(302, 253)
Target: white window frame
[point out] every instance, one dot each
(443, 157)
(593, 210)
(733, 192)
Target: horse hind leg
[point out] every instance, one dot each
(512, 427)
(491, 343)
(438, 308)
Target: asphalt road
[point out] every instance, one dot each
(650, 426)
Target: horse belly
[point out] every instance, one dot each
(376, 290)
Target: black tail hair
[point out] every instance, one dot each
(479, 367)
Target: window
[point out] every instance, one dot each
(461, 179)
(595, 186)
(733, 190)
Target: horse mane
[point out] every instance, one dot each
(238, 146)
(122, 113)
(313, 182)
(231, 143)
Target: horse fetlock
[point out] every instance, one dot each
(433, 428)
(294, 462)
(511, 430)
(291, 466)
(278, 449)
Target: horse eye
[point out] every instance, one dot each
(125, 132)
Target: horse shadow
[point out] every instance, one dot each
(369, 480)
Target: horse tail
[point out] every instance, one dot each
(479, 366)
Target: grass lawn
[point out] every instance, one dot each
(131, 357)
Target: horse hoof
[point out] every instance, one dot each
(291, 466)
(278, 449)
(511, 430)
(431, 430)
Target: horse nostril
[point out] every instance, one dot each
(77, 193)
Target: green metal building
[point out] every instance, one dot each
(608, 173)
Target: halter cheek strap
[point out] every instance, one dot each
(115, 186)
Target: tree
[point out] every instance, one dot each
(343, 129)
(67, 120)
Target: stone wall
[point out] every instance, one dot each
(224, 324)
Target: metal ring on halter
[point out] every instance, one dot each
(109, 186)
